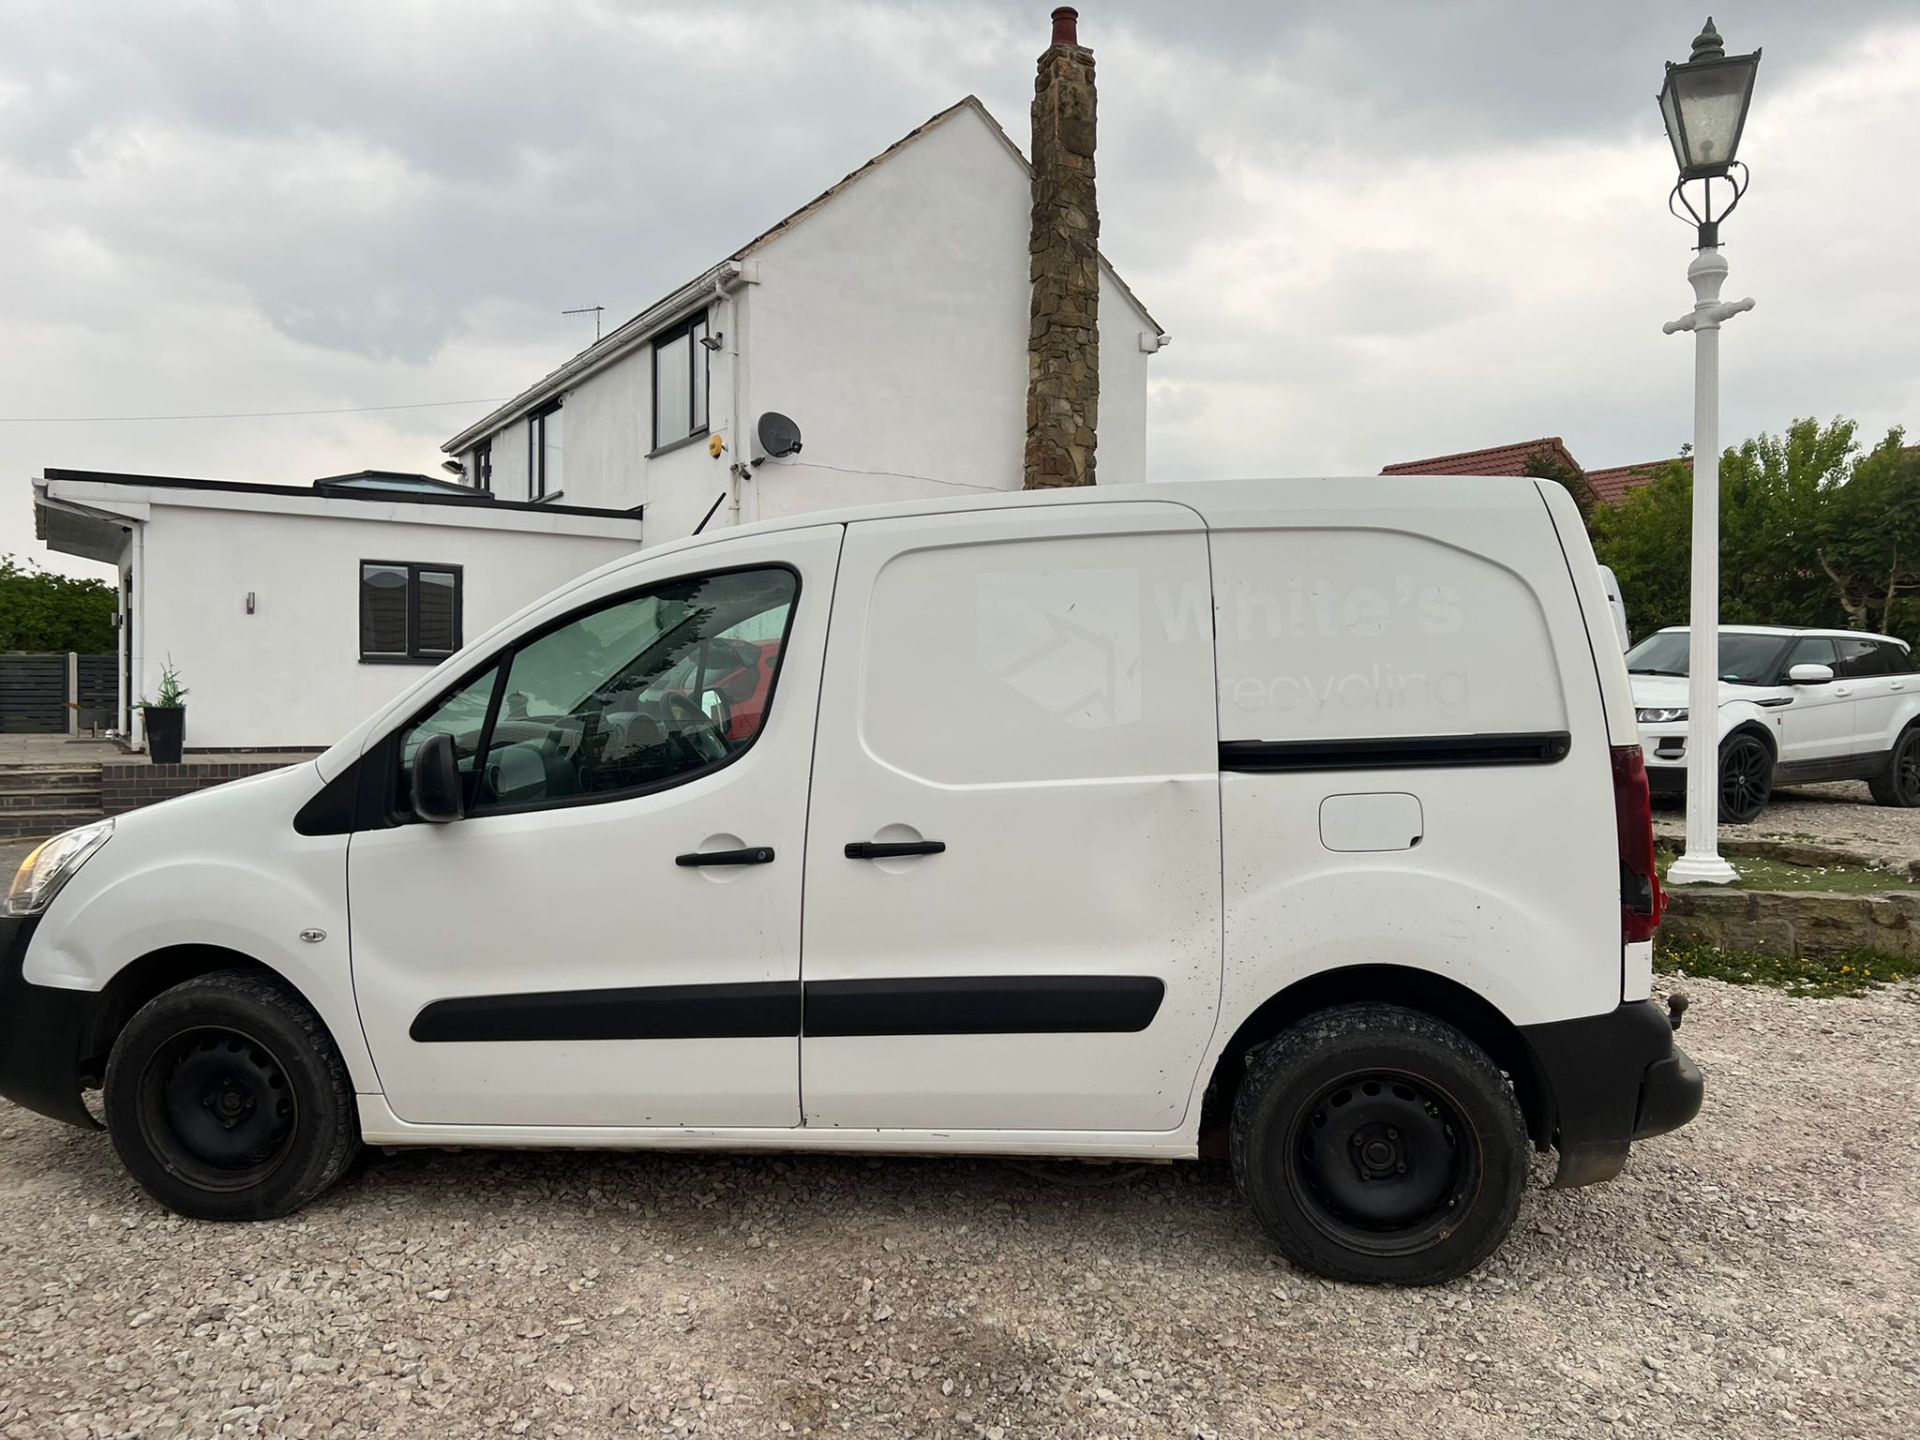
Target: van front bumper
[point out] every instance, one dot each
(1610, 1080)
(42, 1031)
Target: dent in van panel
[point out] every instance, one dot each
(1376, 633)
(1389, 820)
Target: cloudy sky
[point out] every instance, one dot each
(1376, 230)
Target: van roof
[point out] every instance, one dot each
(1223, 504)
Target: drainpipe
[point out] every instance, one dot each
(734, 298)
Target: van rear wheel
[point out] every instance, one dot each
(226, 1099)
(1376, 1144)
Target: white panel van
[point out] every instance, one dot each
(1301, 822)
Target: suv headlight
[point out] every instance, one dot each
(51, 865)
(1660, 716)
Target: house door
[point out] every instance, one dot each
(1013, 856)
(611, 935)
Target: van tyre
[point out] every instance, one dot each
(1746, 777)
(227, 1099)
(1376, 1144)
(1899, 783)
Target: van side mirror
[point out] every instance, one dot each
(438, 795)
(1810, 675)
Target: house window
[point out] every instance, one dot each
(409, 614)
(680, 383)
(483, 467)
(546, 452)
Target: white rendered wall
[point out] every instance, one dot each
(290, 673)
(1122, 456)
(891, 324)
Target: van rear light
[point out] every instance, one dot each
(1641, 899)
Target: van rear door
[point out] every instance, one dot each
(1013, 857)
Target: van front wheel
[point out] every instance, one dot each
(226, 1099)
(1376, 1144)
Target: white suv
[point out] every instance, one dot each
(1795, 706)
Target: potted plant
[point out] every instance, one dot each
(165, 719)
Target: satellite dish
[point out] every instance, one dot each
(777, 435)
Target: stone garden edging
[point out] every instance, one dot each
(1794, 922)
(1797, 922)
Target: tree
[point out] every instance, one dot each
(1812, 532)
(1545, 465)
(43, 611)
(1647, 539)
(1869, 543)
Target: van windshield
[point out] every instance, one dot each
(1744, 659)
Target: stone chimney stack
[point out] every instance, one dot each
(1063, 335)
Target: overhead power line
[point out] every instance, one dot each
(236, 414)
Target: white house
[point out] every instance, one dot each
(285, 608)
(887, 319)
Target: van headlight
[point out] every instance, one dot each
(1660, 716)
(51, 865)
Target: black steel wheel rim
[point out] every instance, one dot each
(1906, 770)
(1744, 777)
(217, 1108)
(1383, 1162)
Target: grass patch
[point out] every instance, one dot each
(1818, 977)
(1763, 872)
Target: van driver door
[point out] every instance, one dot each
(611, 935)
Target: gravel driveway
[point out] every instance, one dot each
(1755, 1275)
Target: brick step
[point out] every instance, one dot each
(41, 824)
(49, 777)
(13, 797)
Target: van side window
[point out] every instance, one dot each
(648, 690)
(463, 715)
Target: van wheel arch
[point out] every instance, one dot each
(151, 976)
(1421, 990)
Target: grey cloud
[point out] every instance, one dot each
(233, 205)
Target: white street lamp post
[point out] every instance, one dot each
(1705, 105)
(1702, 863)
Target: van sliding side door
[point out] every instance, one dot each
(1013, 857)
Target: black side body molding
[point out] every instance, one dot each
(652, 1012)
(984, 1005)
(947, 1005)
(1411, 752)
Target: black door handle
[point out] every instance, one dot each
(881, 850)
(752, 855)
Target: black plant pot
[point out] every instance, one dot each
(166, 733)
